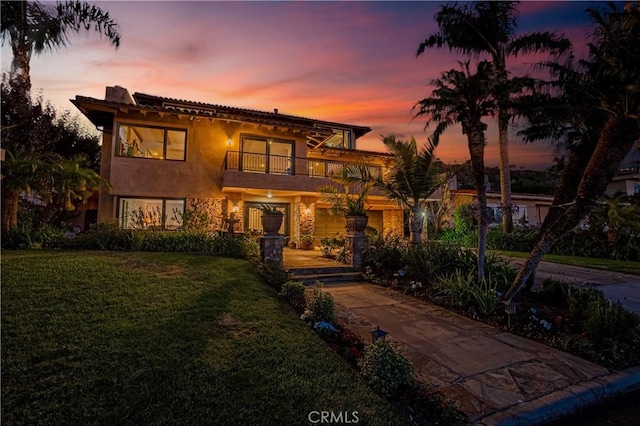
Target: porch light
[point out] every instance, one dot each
(307, 210)
(236, 209)
(229, 141)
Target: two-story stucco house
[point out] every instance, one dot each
(163, 156)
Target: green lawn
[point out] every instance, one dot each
(158, 338)
(623, 266)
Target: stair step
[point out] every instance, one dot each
(310, 279)
(321, 270)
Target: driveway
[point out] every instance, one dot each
(497, 377)
(623, 288)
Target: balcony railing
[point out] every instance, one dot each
(283, 165)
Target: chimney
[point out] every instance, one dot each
(275, 110)
(118, 94)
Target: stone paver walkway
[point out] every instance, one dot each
(492, 374)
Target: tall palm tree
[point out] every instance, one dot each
(34, 27)
(487, 28)
(609, 81)
(413, 177)
(465, 98)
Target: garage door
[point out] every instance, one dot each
(329, 226)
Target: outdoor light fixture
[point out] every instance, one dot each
(377, 334)
(229, 141)
(308, 210)
(236, 209)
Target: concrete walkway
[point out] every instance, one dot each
(623, 288)
(497, 377)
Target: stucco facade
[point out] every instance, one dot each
(221, 162)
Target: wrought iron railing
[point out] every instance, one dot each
(283, 165)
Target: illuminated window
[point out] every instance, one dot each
(341, 139)
(151, 213)
(265, 155)
(151, 142)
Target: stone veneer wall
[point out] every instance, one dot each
(216, 210)
(212, 208)
(392, 222)
(303, 222)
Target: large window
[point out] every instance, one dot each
(265, 155)
(151, 213)
(341, 139)
(151, 142)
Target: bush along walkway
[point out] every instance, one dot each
(381, 364)
(495, 376)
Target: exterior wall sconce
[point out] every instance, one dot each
(236, 209)
(229, 141)
(307, 210)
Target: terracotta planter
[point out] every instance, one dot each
(357, 223)
(306, 246)
(271, 223)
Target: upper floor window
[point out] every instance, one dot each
(151, 142)
(341, 139)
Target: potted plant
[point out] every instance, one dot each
(271, 219)
(306, 241)
(349, 204)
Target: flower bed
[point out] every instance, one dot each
(381, 364)
(576, 320)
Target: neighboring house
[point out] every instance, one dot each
(530, 209)
(165, 155)
(626, 181)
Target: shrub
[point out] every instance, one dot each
(384, 254)
(321, 305)
(518, 240)
(385, 368)
(428, 260)
(107, 235)
(273, 273)
(464, 292)
(293, 293)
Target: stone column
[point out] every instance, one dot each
(271, 247)
(354, 246)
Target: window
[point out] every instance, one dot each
(263, 155)
(151, 142)
(151, 213)
(341, 139)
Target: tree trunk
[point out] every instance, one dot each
(569, 183)
(505, 173)
(10, 201)
(615, 142)
(417, 222)
(476, 142)
(20, 63)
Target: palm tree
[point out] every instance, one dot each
(609, 84)
(21, 172)
(488, 28)
(411, 180)
(34, 27)
(74, 182)
(465, 98)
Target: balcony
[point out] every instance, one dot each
(248, 170)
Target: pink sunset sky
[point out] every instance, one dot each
(349, 62)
